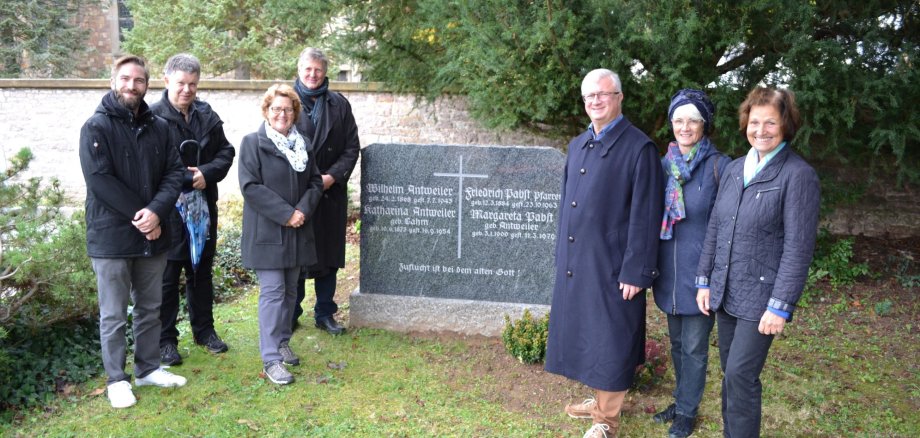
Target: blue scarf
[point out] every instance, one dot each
(753, 164)
(306, 95)
(679, 169)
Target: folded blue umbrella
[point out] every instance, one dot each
(193, 206)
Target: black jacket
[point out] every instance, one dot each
(128, 165)
(336, 148)
(761, 238)
(271, 191)
(217, 154)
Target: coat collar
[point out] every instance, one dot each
(772, 169)
(332, 101)
(111, 107)
(265, 142)
(198, 109)
(610, 138)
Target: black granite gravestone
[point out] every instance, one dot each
(459, 222)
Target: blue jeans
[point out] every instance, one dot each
(690, 355)
(743, 353)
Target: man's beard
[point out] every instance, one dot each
(129, 102)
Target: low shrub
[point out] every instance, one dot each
(904, 265)
(45, 276)
(38, 362)
(525, 338)
(229, 274)
(832, 263)
(656, 364)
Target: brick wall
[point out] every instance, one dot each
(100, 22)
(46, 116)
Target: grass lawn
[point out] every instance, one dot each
(844, 367)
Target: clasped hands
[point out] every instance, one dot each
(148, 223)
(297, 219)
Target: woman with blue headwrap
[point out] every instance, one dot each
(692, 166)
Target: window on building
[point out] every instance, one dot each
(125, 21)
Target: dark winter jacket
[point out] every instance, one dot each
(761, 238)
(611, 206)
(216, 157)
(128, 165)
(675, 289)
(336, 148)
(272, 190)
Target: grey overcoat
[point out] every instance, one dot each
(271, 191)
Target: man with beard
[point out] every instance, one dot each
(133, 177)
(191, 119)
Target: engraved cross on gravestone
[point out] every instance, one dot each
(459, 222)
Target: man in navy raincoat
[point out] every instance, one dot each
(606, 254)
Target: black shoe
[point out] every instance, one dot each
(682, 427)
(665, 415)
(169, 355)
(213, 344)
(329, 325)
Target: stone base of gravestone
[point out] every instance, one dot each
(425, 314)
(453, 238)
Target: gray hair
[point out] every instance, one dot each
(311, 53)
(601, 73)
(183, 62)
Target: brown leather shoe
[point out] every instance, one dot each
(581, 410)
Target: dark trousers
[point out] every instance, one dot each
(199, 296)
(743, 353)
(325, 292)
(690, 354)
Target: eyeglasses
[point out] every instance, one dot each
(680, 123)
(599, 96)
(278, 110)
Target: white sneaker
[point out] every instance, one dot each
(161, 378)
(120, 395)
(598, 430)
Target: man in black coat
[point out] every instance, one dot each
(132, 180)
(327, 120)
(207, 164)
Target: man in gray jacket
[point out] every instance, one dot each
(132, 181)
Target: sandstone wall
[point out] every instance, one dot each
(46, 116)
(100, 22)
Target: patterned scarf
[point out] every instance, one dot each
(292, 146)
(679, 168)
(319, 106)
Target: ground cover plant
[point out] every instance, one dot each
(845, 367)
